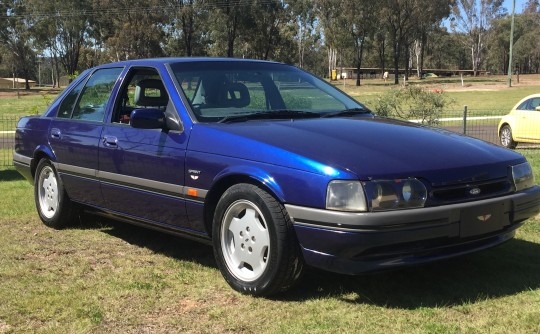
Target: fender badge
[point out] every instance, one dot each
(475, 191)
(484, 218)
(194, 173)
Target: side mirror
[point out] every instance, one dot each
(149, 118)
(537, 108)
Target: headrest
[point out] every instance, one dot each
(234, 95)
(151, 93)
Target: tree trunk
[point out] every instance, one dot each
(422, 51)
(359, 52)
(26, 83)
(406, 61)
(396, 62)
(382, 56)
(417, 54)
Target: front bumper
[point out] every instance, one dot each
(353, 243)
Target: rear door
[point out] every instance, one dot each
(75, 133)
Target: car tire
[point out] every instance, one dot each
(254, 242)
(52, 203)
(505, 137)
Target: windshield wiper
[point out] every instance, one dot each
(270, 114)
(347, 112)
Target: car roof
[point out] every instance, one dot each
(169, 60)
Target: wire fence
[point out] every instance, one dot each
(7, 139)
(478, 123)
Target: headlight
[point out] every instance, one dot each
(522, 175)
(345, 195)
(395, 194)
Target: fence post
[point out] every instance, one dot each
(464, 120)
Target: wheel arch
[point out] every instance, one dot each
(503, 124)
(224, 182)
(41, 152)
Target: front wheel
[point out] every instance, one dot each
(52, 203)
(506, 137)
(254, 242)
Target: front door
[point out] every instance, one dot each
(142, 170)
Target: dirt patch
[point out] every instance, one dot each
(492, 83)
(10, 93)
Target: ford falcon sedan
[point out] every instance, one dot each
(275, 168)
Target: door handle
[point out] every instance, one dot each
(55, 133)
(110, 141)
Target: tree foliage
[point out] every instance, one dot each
(319, 35)
(16, 39)
(473, 19)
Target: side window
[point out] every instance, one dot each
(535, 103)
(530, 104)
(66, 108)
(95, 95)
(143, 89)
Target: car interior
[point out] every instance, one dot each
(144, 90)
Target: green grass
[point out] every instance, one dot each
(103, 276)
(482, 95)
(28, 103)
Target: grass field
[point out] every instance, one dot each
(483, 95)
(103, 276)
(33, 102)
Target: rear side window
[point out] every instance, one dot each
(66, 108)
(88, 102)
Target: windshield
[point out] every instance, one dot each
(218, 91)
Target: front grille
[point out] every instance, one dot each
(469, 192)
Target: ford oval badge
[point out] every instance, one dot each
(475, 191)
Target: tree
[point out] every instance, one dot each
(63, 28)
(400, 17)
(434, 11)
(532, 6)
(473, 19)
(306, 16)
(445, 50)
(187, 27)
(527, 45)
(230, 18)
(16, 38)
(361, 20)
(336, 31)
(132, 29)
(264, 34)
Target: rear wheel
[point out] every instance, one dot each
(254, 243)
(506, 137)
(52, 203)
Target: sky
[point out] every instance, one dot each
(519, 5)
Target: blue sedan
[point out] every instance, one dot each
(274, 167)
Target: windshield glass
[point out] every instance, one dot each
(224, 90)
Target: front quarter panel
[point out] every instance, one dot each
(287, 184)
